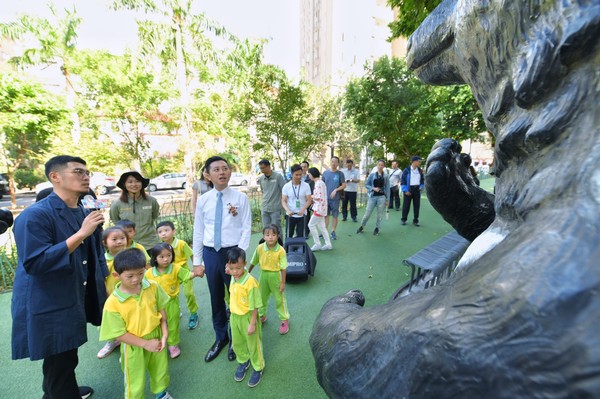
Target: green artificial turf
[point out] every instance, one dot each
(370, 263)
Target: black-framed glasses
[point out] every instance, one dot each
(80, 172)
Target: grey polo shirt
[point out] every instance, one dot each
(271, 191)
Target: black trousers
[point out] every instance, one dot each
(349, 198)
(295, 227)
(59, 376)
(394, 198)
(415, 197)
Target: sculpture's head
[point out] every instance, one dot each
(532, 64)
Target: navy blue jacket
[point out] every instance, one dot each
(49, 304)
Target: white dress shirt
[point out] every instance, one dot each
(235, 229)
(415, 176)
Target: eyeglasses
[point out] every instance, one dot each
(80, 172)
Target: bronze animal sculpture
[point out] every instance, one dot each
(520, 318)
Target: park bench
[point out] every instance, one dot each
(433, 263)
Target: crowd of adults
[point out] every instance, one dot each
(386, 187)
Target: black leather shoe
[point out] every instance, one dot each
(214, 350)
(231, 354)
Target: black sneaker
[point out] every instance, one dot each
(255, 378)
(416, 224)
(344, 219)
(85, 392)
(360, 230)
(240, 373)
(355, 220)
(376, 231)
(403, 223)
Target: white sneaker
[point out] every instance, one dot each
(316, 247)
(327, 247)
(108, 348)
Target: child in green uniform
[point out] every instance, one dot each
(129, 228)
(246, 333)
(135, 315)
(114, 240)
(169, 276)
(271, 257)
(183, 257)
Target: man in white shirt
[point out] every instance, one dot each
(395, 175)
(412, 182)
(295, 199)
(222, 221)
(350, 192)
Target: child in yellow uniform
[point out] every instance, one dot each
(129, 228)
(183, 257)
(169, 276)
(135, 315)
(114, 240)
(271, 257)
(246, 333)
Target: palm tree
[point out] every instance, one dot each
(178, 35)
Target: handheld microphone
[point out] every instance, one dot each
(6, 220)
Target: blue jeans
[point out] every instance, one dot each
(374, 201)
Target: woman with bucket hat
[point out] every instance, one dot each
(135, 205)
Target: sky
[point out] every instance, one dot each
(276, 20)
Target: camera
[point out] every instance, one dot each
(6, 220)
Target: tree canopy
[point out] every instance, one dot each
(410, 15)
(390, 106)
(29, 115)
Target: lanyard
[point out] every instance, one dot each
(294, 190)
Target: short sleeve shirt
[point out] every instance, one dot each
(296, 195)
(135, 314)
(271, 191)
(272, 260)
(244, 295)
(170, 279)
(332, 181)
(351, 187)
(183, 253)
(395, 175)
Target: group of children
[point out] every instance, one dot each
(142, 311)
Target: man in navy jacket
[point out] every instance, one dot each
(59, 282)
(412, 182)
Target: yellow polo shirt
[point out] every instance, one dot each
(245, 295)
(170, 279)
(110, 281)
(271, 260)
(183, 252)
(135, 314)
